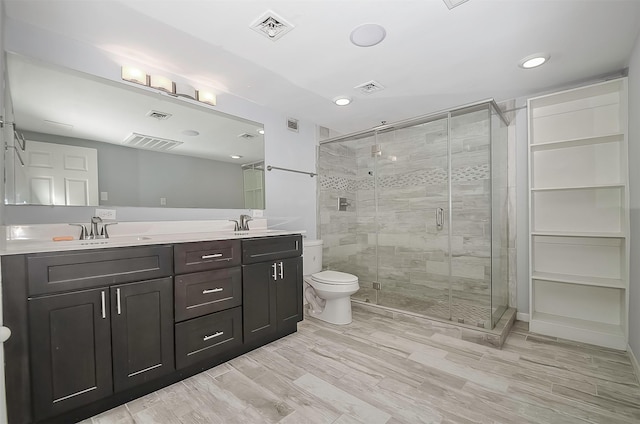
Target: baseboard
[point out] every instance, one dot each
(634, 362)
(521, 316)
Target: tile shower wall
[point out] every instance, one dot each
(337, 178)
(399, 244)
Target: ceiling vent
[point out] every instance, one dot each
(271, 25)
(454, 3)
(147, 142)
(247, 136)
(292, 124)
(369, 87)
(158, 115)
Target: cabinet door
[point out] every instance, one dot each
(289, 293)
(70, 342)
(258, 301)
(142, 331)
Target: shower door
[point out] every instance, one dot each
(412, 197)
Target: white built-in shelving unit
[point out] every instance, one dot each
(579, 214)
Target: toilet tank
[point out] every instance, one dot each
(312, 256)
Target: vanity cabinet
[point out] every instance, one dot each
(91, 343)
(93, 329)
(272, 290)
(87, 344)
(208, 303)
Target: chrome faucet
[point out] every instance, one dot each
(95, 220)
(96, 232)
(244, 222)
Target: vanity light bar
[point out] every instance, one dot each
(131, 74)
(206, 97)
(159, 82)
(162, 83)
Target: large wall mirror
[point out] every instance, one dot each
(80, 140)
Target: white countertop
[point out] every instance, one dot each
(39, 238)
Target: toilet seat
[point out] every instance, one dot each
(334, 277)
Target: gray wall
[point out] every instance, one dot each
(634, 199)
(290, 198)
(135, 177)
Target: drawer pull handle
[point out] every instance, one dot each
(215, 255)
(219, 333)
(274, 275)
(118, 301)
(102, 301)
(216, 290)
(281, 270)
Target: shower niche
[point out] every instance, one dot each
(427, 229)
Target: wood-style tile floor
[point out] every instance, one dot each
(380, 370)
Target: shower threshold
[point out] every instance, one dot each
(490, 337)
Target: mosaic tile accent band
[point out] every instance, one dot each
(409, 179)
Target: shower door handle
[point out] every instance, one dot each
(439, 218)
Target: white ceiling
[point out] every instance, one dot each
(54, 100)
(433, 58)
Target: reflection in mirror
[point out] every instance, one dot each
(90, 141)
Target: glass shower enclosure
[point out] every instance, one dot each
(418, 211)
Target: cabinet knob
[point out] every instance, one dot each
(5, 333)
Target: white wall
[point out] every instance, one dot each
(291, 198)
(634, 200)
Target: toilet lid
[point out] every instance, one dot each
(334, 277)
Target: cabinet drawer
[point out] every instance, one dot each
(271, 248)
(202, 293)
(205, 337)
(203, 256)
(64, 271)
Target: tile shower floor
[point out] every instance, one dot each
(381, 370)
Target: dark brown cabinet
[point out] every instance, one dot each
(88, 344)
(205, 292)
(271, 299)
(96, 328)
(70, 338)
(141, 332)
(206, 337)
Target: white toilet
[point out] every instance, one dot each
(328, 292)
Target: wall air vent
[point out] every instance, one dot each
(292, 124)
(453, 3)
(158, 115)
(271, 25)
(369, 87)
(147, 142)
(247, 136)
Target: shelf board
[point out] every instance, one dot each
(579, 234)
(614, 283)
(575, 142)
(585, 187)
(592, 332)
(582, 324)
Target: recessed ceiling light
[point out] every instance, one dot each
(367, 35)
(235, 156)
(342, 101)
(533, 61)
(191, 133)
(260, 131)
